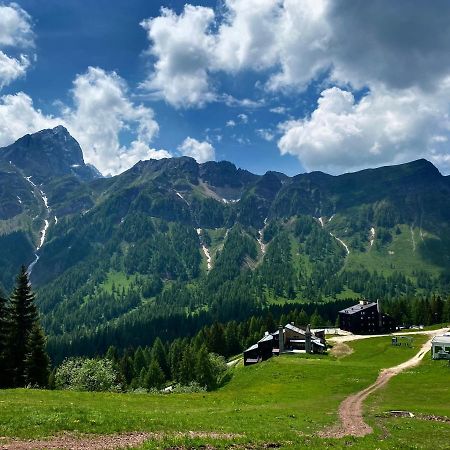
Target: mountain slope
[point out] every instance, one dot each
(172, 240)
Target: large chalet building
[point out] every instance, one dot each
(365, 318)
(287, 339)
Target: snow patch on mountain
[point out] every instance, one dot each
(43, 232)
(372, 236)
(342, 243)
(205, 250)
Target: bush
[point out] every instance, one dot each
(81, 374)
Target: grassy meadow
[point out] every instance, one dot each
(284, 401)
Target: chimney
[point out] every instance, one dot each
(380, 315)
(308, 343)
(281, 339)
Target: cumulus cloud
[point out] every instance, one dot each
(18, 117)
(398, 44)
(182, 46)
(101, 111)
(250, 35)
(383, 127)
(200, 151)
(12, 68)
(16, 34)
(15, 27)
(396, 51)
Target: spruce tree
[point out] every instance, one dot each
(159, 353)
(155, 376)
(5, 374)
(204, 373)
(37, 362)
(187, 366)
(23, 316)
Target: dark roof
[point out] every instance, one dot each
(358, 308)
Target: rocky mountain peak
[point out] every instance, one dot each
(48, 154)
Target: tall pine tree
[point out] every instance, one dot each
(37, 362)
(5, 375)
(23, 316)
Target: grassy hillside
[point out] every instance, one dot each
(285, 400)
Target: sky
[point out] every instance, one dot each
(285, 85)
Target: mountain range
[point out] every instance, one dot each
(174, 236)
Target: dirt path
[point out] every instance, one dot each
(351, 409)
(108, 442)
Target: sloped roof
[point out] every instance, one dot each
(357, 308)
(295, 329)
(441, 339)
(268, 337)
(253, 347)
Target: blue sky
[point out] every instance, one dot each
(286, 85)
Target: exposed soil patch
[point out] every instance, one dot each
(340, 350)
(108, 442)
(350, 410)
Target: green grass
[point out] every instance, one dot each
(422, 390)
(285, 400)
(397, 255)
(118, 279)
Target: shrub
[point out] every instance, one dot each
(81, 374)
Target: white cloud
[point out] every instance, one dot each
(243, 118)
(200, 151)
(12, 68)
(102, 111)
(250, 35)
(384, 127)
(267, 135)
(15, 27)
(182, 46)
(15, 33)
(231, 123)
(18, 117)
(279, 110)
(229, 100)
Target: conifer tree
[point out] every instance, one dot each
(203, 369)
(187, 366)
(37, 362)
(159, 353)
(5, 375)
(23, 316)
(155, 376)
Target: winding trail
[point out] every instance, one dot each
(351, 409)
(69, 441)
